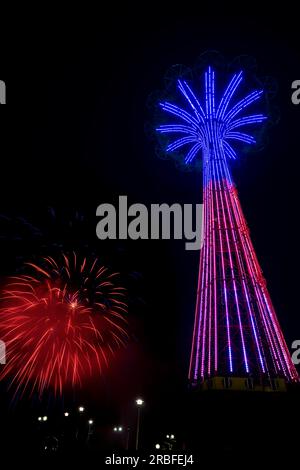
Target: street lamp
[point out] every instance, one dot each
(81, 409)
(45, 418)
(157, 446)
(139, 402)
(66, 414)
(90, 429)
(172, 436)
(39, 418)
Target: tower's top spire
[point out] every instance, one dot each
(210, 119)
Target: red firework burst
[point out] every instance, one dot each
(61, 323)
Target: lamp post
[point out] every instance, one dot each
(90, 427)
(127, 437)
(139, 403)
(90, 430)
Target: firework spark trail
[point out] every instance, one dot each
(61, 323)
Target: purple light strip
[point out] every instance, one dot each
(197, 320)
(254, 276)
(219, 225)
(243, 231)
(230, 203)
(221, 178)
(206, 271)
(213, 249)
(200, 293)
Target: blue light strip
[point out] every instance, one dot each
(206, 95)
(248, 139)
(229, 152)
(245, 121)
(169, 128)
(230, 90)
(210, 94)
(189, 95)
(213, 94)
(192, 153)
(241, 105)
(179, 143)
(171, 108)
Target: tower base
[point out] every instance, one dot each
(242, 384)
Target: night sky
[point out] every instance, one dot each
(73, 137)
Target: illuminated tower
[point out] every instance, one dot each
(236, 331)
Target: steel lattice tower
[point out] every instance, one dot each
(236, 330)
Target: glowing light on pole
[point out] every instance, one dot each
(236, 331)
(139, 403)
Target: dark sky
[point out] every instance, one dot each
(73, 137)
